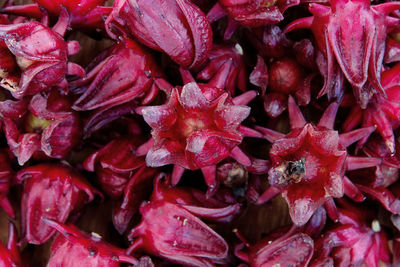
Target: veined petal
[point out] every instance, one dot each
(351, 40)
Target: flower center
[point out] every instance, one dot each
(189, 123)
(192, 125)
(289, 172)
(35, 124)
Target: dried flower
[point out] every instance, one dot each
(48, 126)
(84, 13)
(178, 236)
(42, 65)
(351, 45)
(291, 249)
(308, 164)
(51, 191)
(122, 73)
(115, 163)
(177, 27)
(198, 127)
(72, 247)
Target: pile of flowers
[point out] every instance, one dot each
(200, 133)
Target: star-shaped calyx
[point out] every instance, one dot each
(198, 127)
(309, 163)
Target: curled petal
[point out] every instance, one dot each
(179, 235)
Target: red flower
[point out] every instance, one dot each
(177, 236)
(193, 131)
(177, 27)
(195, 201)
(84, 13)
(72, 247)
(251, 13)
(114, 164)
(255, 13)
(358, 239)
(382, 112)
(284, 76)
(47, 125)
(219, 54)
(308, 164)
(356, 44)
(51, 191)
(198, 127)
(122, 73)
(138, 188)
(42, 65)
(290, 249)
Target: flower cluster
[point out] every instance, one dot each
(200, 133)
